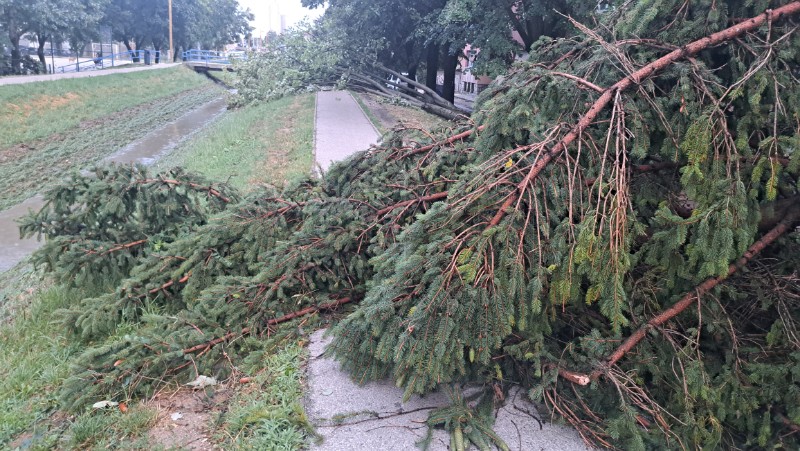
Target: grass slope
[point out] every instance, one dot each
(267, 143)
(39, 110)
(58, 126)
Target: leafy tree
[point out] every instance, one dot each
(208, 23)
(78, 20)
(16, 18)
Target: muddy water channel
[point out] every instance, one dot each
(146, 150)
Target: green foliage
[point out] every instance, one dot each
(466, 426)
(294, 61)
(100, 224)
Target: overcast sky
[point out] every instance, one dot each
(268, 13)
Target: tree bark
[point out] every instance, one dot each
(134, 59)
(16, 56)
(41, 39)
(449, 88)
(431, 66)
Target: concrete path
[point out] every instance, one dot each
(351, 417)
(18, 80)
(341, 128)
(373, 416)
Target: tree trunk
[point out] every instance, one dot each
(16, 56)
(134, 59)
(449, 88)
(432, 65)
(41, 39)
(412, 72)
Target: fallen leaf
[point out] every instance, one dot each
(202, 381)
(118, 362)
(104, 404)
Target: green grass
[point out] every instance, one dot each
(40, 110)
(110, 429)
(266, 143)
(35, 352)
(267, 414)
(51, 128)
(33, 362)
(370, 114)
(46, 162)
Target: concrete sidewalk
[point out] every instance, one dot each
(373, 416)
(352, 417)
(341, 128)
(90, 73)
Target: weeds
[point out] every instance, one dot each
(267, 415)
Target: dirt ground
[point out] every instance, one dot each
(185, 416)
(390, 115)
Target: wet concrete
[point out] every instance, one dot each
(162, 141)
(146, 150)
(374, 416)
(341, 128)
(13, 249)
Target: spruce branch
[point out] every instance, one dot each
(448, 141)
(405, 203)
(125, 246)
(688, 299)
(194, 186)
(633, 80)
(272, 322)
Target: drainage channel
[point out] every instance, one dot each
(146, 150)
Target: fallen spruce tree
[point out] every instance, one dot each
(616, 230)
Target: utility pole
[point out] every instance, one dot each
(52, 58)
(171, 50)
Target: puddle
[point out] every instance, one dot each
(146, 150)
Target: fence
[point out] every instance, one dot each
(114, 59)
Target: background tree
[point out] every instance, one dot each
(208, 23)
(78, 20)
(17, 18)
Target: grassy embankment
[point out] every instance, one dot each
(52, 127)
(267, 143)
(261, 144)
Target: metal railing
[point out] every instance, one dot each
(211, 57)
(102, 62)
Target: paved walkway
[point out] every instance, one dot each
(86, 73)
(341, 128)
(373, 416)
